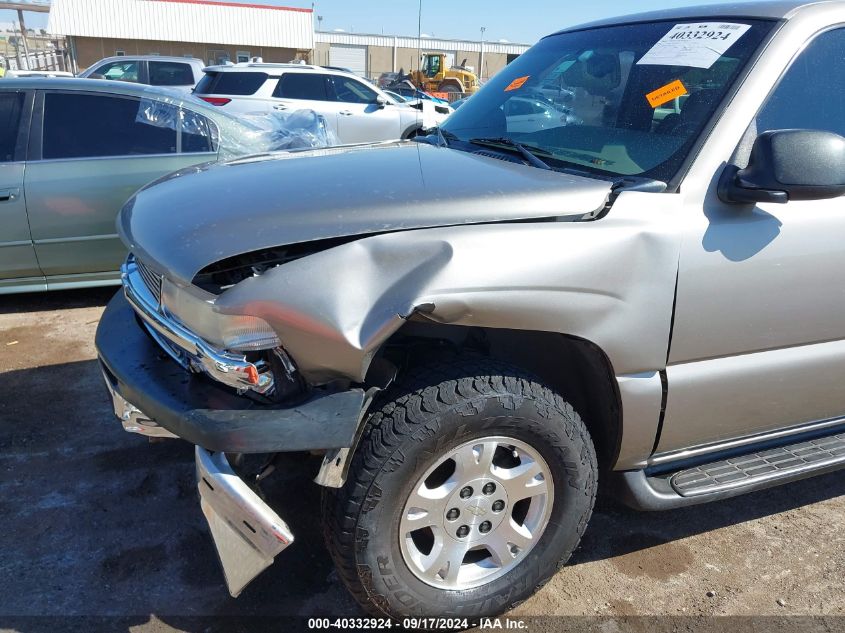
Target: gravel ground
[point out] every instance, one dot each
(97, 522)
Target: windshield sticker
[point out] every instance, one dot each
(697, 45)
(665, 94)
(517, 83)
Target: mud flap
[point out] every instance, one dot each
(247, 533)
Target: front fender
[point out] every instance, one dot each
(610, 281)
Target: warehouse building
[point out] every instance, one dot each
(216, 32)
(210, 30)
(371, 55)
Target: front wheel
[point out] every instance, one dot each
(471, 487)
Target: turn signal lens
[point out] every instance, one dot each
(252, 374)
(247, 333)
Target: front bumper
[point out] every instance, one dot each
(199, 410)
(155, 396)
(247, 533)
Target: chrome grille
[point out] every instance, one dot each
(151, 280)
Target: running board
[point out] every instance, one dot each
(733, 475)
(772, 464)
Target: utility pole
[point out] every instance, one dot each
(419, 38)
(23, 38)
(481, 61)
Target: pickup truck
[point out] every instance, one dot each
(469, 332)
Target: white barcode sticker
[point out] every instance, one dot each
(697, 45)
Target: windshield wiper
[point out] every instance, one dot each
(510, 144)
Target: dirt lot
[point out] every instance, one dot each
(97, 522)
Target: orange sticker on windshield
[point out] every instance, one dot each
(517, 83)
(665, 94)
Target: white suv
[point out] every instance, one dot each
(355, 109)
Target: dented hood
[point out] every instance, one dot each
(194, 218)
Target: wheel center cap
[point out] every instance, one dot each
(477, 509)
(479, 513)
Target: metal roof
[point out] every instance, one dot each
(36, 6)
(184, 21)
(425, 43)
(773, 9)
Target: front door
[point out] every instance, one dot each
(97, 150)
(759, 332)
(360, 118)
(18, 264)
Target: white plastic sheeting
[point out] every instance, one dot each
(242, 135)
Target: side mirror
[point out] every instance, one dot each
(788, 165)
(381, 101)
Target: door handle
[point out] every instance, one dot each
(346, 113)
(280, 106)
(8, 195)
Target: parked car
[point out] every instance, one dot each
(385, 80)
(472, 327)
(178, 73)
(12, 74)
(444, 108)
(407, 90)
(396, 96)
(72, 151)
(533, 113)
(356, 110)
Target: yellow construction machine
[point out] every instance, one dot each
(435, 77)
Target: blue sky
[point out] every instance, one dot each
(523, 22)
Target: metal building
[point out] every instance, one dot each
(211, 30)
(371, 55)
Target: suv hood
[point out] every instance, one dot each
(193, 218)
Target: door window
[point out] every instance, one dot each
(811, 95)
(199, 134)
(11, 104)
(310, 86)
(86, 125)
(120, 71)
(351, 91)
(171, 74)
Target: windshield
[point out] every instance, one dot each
(620, 100)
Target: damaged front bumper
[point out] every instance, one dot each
(203, 412)
(154, 396)
(247, 533)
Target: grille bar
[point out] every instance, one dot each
(151, 280)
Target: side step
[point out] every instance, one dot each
(732, 476)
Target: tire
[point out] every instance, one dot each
(436, 411)
(451, 87)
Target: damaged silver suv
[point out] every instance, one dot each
(467, 329)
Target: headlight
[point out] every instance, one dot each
(193, 308)
(246, 333)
